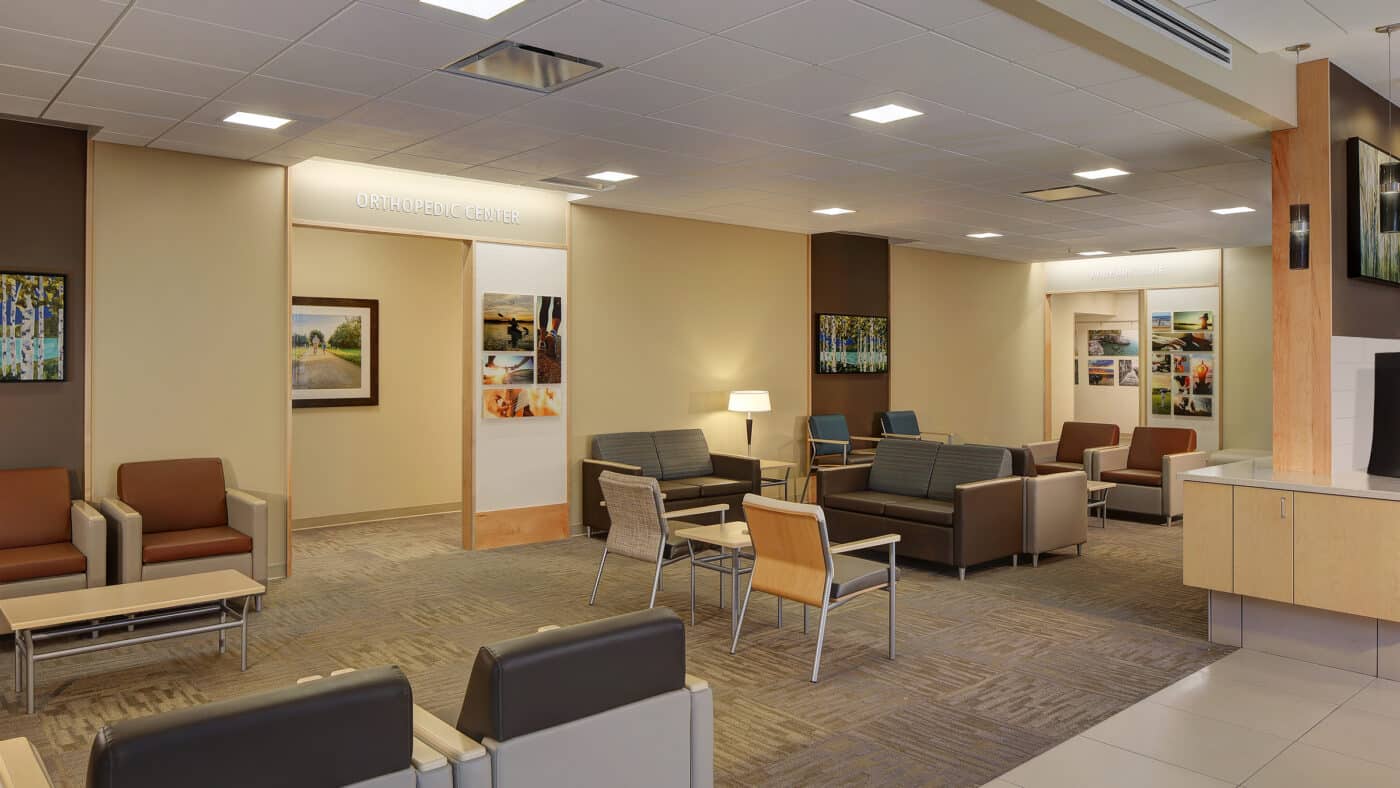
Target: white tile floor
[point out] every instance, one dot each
(1251, 719)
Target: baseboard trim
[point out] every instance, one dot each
(351, 518)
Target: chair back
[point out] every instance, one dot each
(1151, 444)
(899, 422)
(828, 427)
(175, 495)
(638, 515)
(1077, 437)
(34, 507)
(792, 555)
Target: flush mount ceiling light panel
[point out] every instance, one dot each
(887, 114)
(833, 211)
(1231, 211)
(611, 176)
(481, 9)
(1106, 172)
(980, 236)
(1062, 193)
(254, 119)
(524, 66)
(1093, 253)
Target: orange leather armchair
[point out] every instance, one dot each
(176, 517)
(48, 542)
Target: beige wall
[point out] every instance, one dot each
(1247, 355)
(404, 455)
(189, 346)
(669, 315)
(967, 344)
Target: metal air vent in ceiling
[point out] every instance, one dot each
(524, 66)
(577, 184)
(1060, 193)
(1153, 249)
(1183, 32)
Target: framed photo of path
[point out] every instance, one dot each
(335, 352)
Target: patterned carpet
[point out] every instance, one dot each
(990, 671)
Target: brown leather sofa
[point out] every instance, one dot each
(951, 504)
(1073, 450)
(176, 517)
(48, 542)
(690, 475)
(1149, 471)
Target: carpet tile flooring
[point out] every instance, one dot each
(990, 672)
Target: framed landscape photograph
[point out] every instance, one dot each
(852, 344)
(32, 325)
(1110, 342)
(335, 352)
(1101, 372)
(1371, 254)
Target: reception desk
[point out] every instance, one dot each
(1298, 565)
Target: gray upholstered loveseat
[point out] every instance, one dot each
(680, 460)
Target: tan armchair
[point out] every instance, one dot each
(1148, 473)
(48, 543)
(1074, 449)
(175, 517)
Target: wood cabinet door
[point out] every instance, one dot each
(1207, 525)
(1264, 543)
(1347, 555)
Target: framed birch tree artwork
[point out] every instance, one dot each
(32, 325)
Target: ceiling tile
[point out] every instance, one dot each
(730, 115)
(341, 132)
(306, 148)
(484, 141)
(37, 51)
(560, 114)
(171, 36)
(23, 106)
(409, 119)
(1078, 67)
(457, 93)
(933, 14)
(332, 68)
(404, 161)
(270, 17)
(1357, 16)
(291, 99)
(158, 73)
(818, 31)
(121, 139)
(1006, 36)
(128, 98)
(711, 15)
(80, 20)
(110, 120)
(377, 32)
(609, 34)
(630, 91)
(678, 138)
(716, 63)
(936, 68)
(812, 89)
(499, 26)
(29, 83)
(228, 141)
(1267, 25)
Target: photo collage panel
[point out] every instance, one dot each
(1183, 364)
(1113, 357)
(522, 355)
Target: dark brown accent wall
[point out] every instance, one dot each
(1359, 308)
(43, 228)
(851, 275)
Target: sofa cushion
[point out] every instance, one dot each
(1077, 437)
(1151, 444)
(45, 560)
(34, 507)
(903, 467)
(1047, 468)
(864, 501)
(629, 448)
(712, 486)
(857, 574)
(1136, 476)
(922, 510)
(175, 495)
(679, 490)
(900, 422)
(193, 543)
(962, 464)
(683, 454)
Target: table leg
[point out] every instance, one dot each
(734, 596)
(780, 612)
(18, 686)
(223, 640)
(690, 548)
(243, 644)
(29, 670)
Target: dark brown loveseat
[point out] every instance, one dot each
(680, 460)
(955, 505)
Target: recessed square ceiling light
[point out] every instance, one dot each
(481, 9)
(833, 211)
(887, 114)
(1093, 253)
(1058, 193)
(254, 119)
(984, 235)
(1106, 172)
(1236, 209)
(611, 176)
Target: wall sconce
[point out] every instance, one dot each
(1299, 235)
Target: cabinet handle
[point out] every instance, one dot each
(1282, 508)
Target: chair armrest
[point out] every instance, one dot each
(1114, 458)
(847, 478)
(988, 519)
(616, 467)
(123, 540)
(247, 514)
(714, 508)
(1043, 451)
(454, 745)
(20, 765)
(702, 732)
(901, 435)
(1173, 485)
(696, 684)
(828, 440)
(738, 468)
(90, 537)
(864, 544)
(948, 436)
(426, 759)
(1056, 514)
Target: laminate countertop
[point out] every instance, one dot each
(1261, 473)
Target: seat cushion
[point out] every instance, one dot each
(864, 501)
(958, 464)
(45, 560)
(1151, 444)
(193, 543)
(683, 454)
(903, 467)
(712, 486)
(629, 448)
(175, 495)
(1077, 437)
(680, 490)
(1136, 476)
(922, 510)
(35, 507)
(857, 574)
(1045, 468)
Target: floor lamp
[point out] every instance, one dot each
(749, 403)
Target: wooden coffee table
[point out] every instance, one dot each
(67, 613)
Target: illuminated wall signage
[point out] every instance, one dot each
(1134, 272)
(429, 207)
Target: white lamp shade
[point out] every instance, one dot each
(749, 402)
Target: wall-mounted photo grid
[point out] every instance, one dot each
(522, 355)
(1183, 364)
(1112, 357)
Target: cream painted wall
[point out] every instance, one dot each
(968, 344)
(1247, 389)
(406, 453)
(670, 315)
(189, 340)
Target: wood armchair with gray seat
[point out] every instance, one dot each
(905, 424)
(48, 542)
